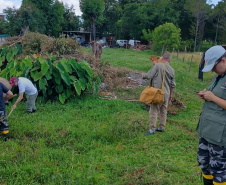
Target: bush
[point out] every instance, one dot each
(54, 79)
(36, 43)
(33, 43)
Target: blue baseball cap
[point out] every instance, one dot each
(211, 56)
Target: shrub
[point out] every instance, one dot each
(54, 79)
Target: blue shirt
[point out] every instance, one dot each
(3, 89)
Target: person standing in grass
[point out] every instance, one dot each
(27, 87)
(3, 117)
(212, 123)
(7, 84)
(156, 76)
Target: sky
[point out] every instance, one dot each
(16, 3)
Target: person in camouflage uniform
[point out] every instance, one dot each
(3, 116)
(212, 123)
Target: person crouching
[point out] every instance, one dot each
(27, 87)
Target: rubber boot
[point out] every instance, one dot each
(6, 137)
(207, 181)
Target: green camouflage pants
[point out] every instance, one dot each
(212, 160)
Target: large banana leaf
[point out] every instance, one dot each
(87, 68)
(66, 65)
(78, 87)
(1, 60)
(95, 88)
(59, 88)
(67, 92)
(88, 86)
(74, 64)
(44, 68)
(64, 75)
(9, 56)
(26, 62)
(83, 83)
(56, 75)
(13, 72)
(42, 84)
(77, 67)
(4, 51)
(44, 65)
(62, 98)
(73, 79)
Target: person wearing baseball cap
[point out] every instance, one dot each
(27, 87)
(212, 123)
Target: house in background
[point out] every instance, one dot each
(3, 38)
(3, 16)
(82, 36)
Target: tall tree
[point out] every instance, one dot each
(56, 19)
(199, 10)
(220, 16)
(146, 15)
(112, 13)
(93, 10)
(71, 21)
(13, 24)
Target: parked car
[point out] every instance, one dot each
(121, 43)
(134, 42)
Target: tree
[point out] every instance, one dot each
(3, 26)
(112, 13)
(199, 10)
(13, 24)
(220, 15)
(166, 36)
(93, 10)
(56, 19)
(146, 15)
(50, 14)
(71, 21)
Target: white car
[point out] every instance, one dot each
(134, 42)
(121, 43)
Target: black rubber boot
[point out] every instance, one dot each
(207, 181)
(6, 137)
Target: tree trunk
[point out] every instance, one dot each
(215, 41)
(93, 27)
(196, 33)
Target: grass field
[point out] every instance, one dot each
(94, 141)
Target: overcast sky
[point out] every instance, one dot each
(16, 3)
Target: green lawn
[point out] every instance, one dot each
(94, 141)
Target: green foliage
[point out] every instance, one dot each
(3, 25)
(167, 36)
(93, 12)
(147, 35)
(54, 79)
